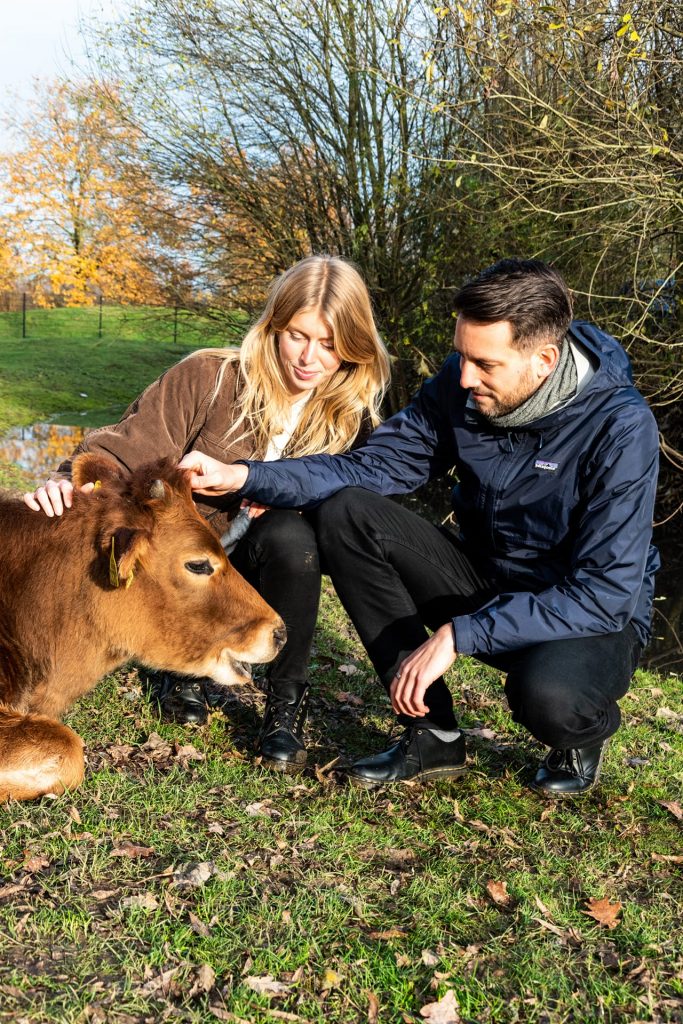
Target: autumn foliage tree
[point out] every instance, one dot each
(80, 208)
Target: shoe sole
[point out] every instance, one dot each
(432, 773)
(564, 794)
(285, 767)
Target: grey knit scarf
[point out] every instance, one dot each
(555, 390)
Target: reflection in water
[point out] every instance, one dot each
(40, 449)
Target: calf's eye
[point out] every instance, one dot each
(203, 568)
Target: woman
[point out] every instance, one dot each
(309, 378)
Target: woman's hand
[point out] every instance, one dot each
(54, 496)
(209, 476)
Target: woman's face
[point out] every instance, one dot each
(307, 355)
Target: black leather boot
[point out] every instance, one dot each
(420, 754)
(280, 742)
(180, 699)
(569, 772)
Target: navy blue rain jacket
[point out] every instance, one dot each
(557, 512)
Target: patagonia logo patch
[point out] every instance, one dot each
(549, 466)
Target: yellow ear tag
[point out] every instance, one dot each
(129, 578)
(97, 485)
(113, 567)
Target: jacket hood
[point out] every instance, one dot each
(611, 357)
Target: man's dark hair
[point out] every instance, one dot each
(528, 293)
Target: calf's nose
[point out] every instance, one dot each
(280, 637)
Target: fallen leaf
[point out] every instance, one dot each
(156, 747)
(188, 752)
(161, 983)
(36, 863)
(104, 894)
(119, 752)
(669, 858)
(373, 1007)
(604, 912)
(144, 901)
(198, 926)
(331, 979)
(349, 670)
(266, 985)
(675, 808)
(429, 958)
(344, 697)
(498, 891)
(445, 1011)
(193, 875)
(388, 933)
(260, 807)
(482, 734)
(131, 850)
(75, 815)
(204, 980)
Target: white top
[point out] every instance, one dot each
(279, 442)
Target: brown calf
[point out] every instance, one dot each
(132, 571)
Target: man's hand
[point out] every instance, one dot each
(209, 476)
(54, 497)
(419, 670)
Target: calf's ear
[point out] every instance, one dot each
(90, 467)
(126, 548)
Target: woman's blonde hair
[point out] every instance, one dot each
(333, 414)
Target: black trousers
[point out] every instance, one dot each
(395, 573)
(279, 557)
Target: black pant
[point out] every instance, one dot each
(279, 557)
(395, 573)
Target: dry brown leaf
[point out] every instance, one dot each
(429, 958)
(75, 815)
(672, 806)
(669, 858)
(604, 912)
(36, 863)
(542, 907)
(266, 985)
(259, 808)
(445, 1011)
(344, 697)
(348, 670)
(331, 979)
(119, 752)
(498, 891)
(161, 983)
(198, 926)
(388, 933)
(104, 894)
(373, 1007)
(204, 980)
(132, 850)
(144, 901)
(192, 875)
(187, 752)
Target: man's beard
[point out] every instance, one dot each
(503, 406)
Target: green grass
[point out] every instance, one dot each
(363, 906)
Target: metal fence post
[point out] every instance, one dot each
(175, 324)
(99, 322)
(23, 314)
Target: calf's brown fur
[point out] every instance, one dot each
(131, 571)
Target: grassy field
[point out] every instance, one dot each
(184, 882)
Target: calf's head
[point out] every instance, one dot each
(179, 603)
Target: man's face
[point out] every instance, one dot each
(499, 376)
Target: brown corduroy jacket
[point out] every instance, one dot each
(176, 415)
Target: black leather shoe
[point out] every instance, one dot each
(280, 743)
(180, 698)
(419, 755)
(569, 772)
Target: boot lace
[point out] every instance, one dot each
(284, 713)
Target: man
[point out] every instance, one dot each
(550, 575)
